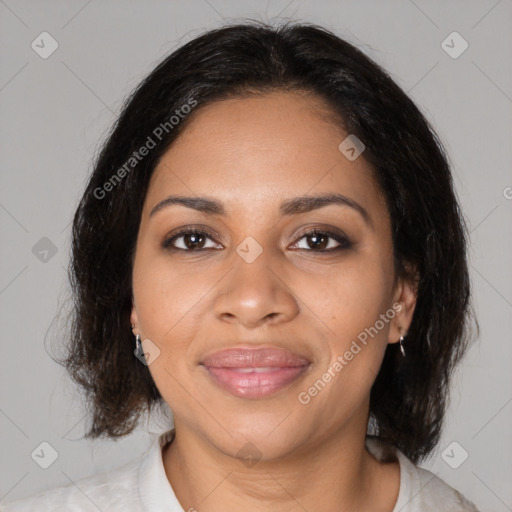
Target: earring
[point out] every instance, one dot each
(402, 338)
(138, 344)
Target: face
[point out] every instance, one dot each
(314, 280)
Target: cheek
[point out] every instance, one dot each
(350, 298)
(351, 306)
(350, 302)
(167, 310)
(172, 303)
(165, 298)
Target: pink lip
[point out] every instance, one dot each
(276, 369)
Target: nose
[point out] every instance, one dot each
(256, 294)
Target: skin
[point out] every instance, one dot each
(251, 154)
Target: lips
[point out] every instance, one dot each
(251, 358)
(254, 373)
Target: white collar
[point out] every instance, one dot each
(155, 490)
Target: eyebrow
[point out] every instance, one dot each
(293, 206)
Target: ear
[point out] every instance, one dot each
(134, 320)
(404, 303)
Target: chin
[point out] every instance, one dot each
(260, 435)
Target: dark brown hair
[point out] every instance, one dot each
(409, 396)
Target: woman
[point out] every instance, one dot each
(271, 246)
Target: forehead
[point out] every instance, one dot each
(260, 149)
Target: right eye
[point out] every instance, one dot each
(192, 240)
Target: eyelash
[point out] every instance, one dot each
(344, 242)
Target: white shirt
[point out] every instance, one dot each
(142, 485)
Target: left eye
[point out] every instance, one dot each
(194, 240)
(321, 241)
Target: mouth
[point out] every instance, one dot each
(254, 373)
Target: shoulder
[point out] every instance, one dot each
(431, 494)
(112, 490)
(420, 489)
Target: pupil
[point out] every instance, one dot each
(192, 239)
(318, 238)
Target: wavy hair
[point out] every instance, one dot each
(410, 395)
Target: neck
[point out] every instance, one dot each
(322, 475)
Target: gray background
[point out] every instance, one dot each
(55, 112)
